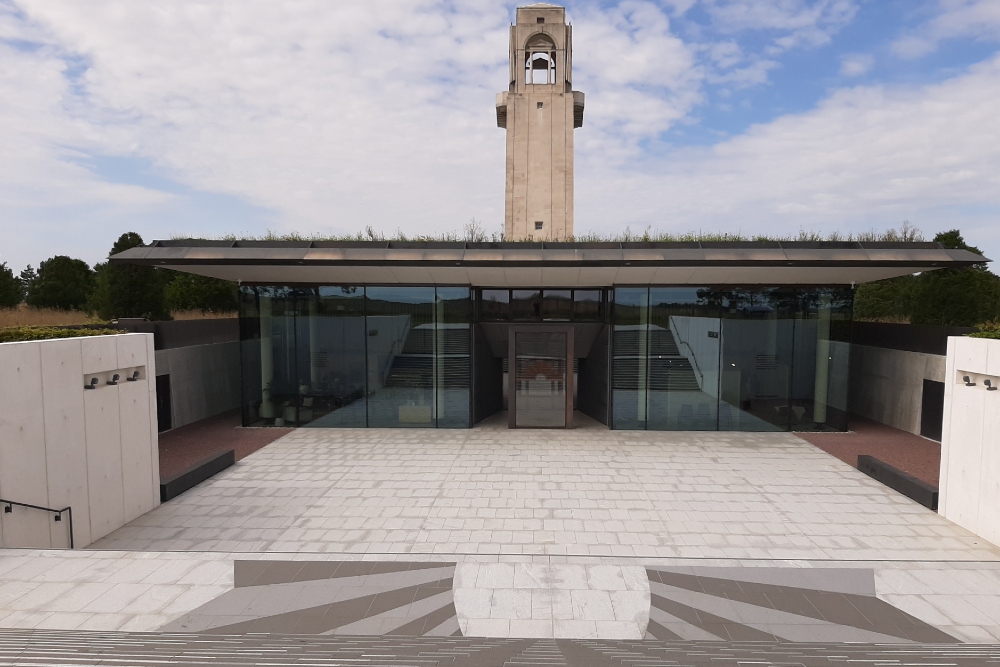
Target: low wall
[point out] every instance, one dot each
(204, 380)
(94, 450)
(970, 446)
(887, 385)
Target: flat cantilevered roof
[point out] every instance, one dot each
(526, 264)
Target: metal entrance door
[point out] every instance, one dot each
(540, 390)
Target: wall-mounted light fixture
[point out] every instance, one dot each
(989, 385)
(8, 509)
(58, 517)
(92, 385)
(134, 377)
(968, 381)
(114, 379)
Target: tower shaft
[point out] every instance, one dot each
(540, 111)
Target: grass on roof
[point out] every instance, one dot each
(475, 232)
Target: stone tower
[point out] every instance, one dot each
(539, 112)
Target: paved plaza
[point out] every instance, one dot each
(588, 534)
(588, 491)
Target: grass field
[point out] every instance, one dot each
(26, 316)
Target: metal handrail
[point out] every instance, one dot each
(66, 510)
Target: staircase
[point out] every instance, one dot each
(413, 367)
(150, 649)
(668, 369)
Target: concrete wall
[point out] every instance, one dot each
(93, 450)
(970, 446)
(702, 350)
(887, 385)
(204, 380)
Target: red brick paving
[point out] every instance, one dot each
(182, 447)
(908, 452)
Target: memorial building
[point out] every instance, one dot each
(745, 336)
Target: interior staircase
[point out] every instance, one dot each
(413, 367)
(668, 369)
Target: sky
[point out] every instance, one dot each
(242, 116)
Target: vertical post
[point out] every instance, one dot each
(822, 389)
(266, 358)
(314, 341)
(642, 373)
(438, 347)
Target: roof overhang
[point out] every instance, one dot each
(547, 264)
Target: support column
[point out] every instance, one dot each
(266, 358)
(822, 389)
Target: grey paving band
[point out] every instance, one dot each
(49, 647)
(722, 603)
(332, 597)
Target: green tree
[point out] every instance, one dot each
(884, 300)
(124, 290)
(27, 280)
(10, 287)
(61, 282)
(958, 297)
(186, 291)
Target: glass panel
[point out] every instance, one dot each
(494, 305)
(758, 331)
(526, 305)
(557, 305)
(400, 358)
(540, 379)
(332, 388)
(822, 354)
(250, 355)
(683, 381)
(587, 305)
(630, 350)
(453, 357)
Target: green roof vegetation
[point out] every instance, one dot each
(20, 334)
(987, 330)
(476, 232)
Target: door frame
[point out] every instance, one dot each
(511, 366)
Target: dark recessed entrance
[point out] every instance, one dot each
(540, 389)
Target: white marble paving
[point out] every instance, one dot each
(551, 600)
(551, 530)
(581, 492)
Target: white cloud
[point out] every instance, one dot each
(334, 116)
(978, 19)
(856, 64)
(866, 156)
(802, 22)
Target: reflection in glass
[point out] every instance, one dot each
(683, 378)
(400, 356)
(630, 349)
(557, 305)
(334, 394)
(322, 357)
(540, 379)
(777, 359)
(525, 305)
(823, 335)
(494, 305)
(757, 357)
(587, 305)
(453, 371)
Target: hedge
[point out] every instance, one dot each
(18, 334)
(987, 330)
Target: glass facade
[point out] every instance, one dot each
(541, 305)
(682, 358)
(732, 359)
(356, 356)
